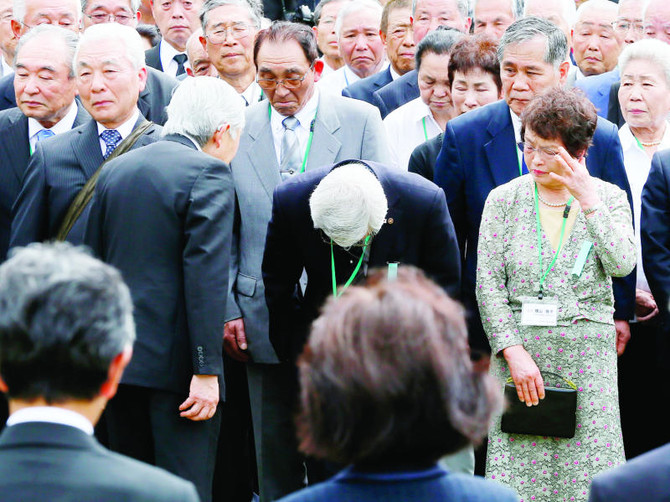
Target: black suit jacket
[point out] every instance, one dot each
(479, 153)
(163, 215)
(57, 171)
(614, 114)
(418, 231)
(423, 158)
(364, 88)
(14, 157)
(151, 102)
(42, 461)
(153, 57)
(397, 93)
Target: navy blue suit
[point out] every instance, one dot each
(418, 231)
(364, 88)
(597, 89)
(479, 153)
(427, 485)
(57, 171)
(152, 100)
(614, 114)
(397, 93)
(14, 157)
(645, 478)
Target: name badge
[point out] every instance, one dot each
(536, 312)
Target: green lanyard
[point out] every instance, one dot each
(354, 273)
(566, 213)
(425, 133)
(309, 140)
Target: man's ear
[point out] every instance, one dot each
(318, 69)
(3, 386)
(115, 372)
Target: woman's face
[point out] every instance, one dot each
(644, 95)
(473, 89)
(541, 156)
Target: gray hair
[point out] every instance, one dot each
(526, 29)
(64, 316)
(463, 7)
(348, 204)
(254, 9)
(569, 11)
(200, 106)
(354, 7)
(19, 10)
(516, 5)
(319, 8)
(69, 38)
(596, 4)
(101, 34)
(654, 51)
(133, 4)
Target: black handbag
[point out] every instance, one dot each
(555, 416)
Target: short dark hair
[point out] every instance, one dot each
(319, 8)
(390, 6)
(566, 115)
(150, 32)
(439, 41)
(472, 52)
(64, 316)
(284, 31)
(386, 376)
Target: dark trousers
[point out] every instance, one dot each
(145, 424)
(643, 388)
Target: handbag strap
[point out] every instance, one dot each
(570, 383)
(85, 195)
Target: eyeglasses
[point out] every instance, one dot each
(237, 31)
(624, 26)
(530, 149)
(269, 84)
(103, 17)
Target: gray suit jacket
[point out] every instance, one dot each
(344, 129)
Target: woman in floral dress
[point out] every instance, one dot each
(555, 236)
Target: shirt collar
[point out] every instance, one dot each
(63, 125)
(394, 74)
(516, 124)
(124, 129)
(629, 142)
(167, 53)
(53, 415)
(252, 94)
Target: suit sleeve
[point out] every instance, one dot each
(441, 256)
(30, 213)
(655, 230)
(94, 224)
(613, 170)
(450, 176)
(282, 268)
(379, 103)
(208, 227)
(374, 141)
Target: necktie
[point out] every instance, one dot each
(44, 134)
(180, 59)
(112, 138)
(290, 149)
(524, 167)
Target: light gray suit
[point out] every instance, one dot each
(343, 129)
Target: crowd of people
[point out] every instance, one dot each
(310, 247)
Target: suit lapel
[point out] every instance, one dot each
(501, 149)
(261, 149)
(86, 148)
(325, 146)
(82, 115)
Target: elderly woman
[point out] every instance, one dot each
(387, 388)
(426, 116)
(644, 98)
(550, 241)
(474, 81)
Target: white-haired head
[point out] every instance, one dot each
(352, 8)
(110, 34)
(655, 52)
(200, 106)
(349, 204)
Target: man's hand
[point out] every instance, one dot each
(235, 340)
(645, 305)
(622, 335)
(202, 398)
(526, 375)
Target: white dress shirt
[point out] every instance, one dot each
(638, 164)
(124, 129)
(52, 415)
(252, 94)
(405, 130)
(5, 69)
(63, 125)
(305, 117)
(167, 54)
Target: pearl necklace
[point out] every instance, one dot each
(551, 204)
(653, 143)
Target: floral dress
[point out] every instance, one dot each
(580, 348)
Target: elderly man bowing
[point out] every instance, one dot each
(163, 216)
